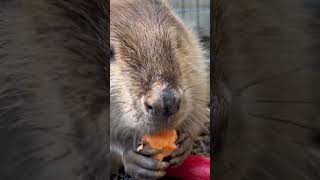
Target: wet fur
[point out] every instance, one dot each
(53, 93)
(267, 54)
(151, 43)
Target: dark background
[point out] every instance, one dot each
(267, 55)
(265, 71)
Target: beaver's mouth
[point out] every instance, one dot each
(155, 124)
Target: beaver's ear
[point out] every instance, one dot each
(181, 35)
(181, 40)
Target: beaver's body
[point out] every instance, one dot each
(154, 53)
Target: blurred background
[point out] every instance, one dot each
(270, 58)
(196, 14)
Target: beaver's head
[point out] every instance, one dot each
(152, 65)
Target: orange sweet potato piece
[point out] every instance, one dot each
(164, 141)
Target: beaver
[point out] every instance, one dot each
(158, 81)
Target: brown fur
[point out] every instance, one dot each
(153, 45)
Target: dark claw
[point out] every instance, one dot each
(175, 161)
(180, 154)
(182, 137)
(177, 152)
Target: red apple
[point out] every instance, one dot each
(193, 168)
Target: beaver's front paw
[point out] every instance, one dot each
(140, 165)
(183, 151)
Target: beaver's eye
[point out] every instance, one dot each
(112, 58)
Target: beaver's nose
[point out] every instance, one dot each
(165, 104)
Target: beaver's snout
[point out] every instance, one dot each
(161, 101)
(166, 104)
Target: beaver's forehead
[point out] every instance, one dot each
(139, 16)
(150, 58)
(148, 45)
(139, 9)
(142, 32)
(147, 26)
(145, 36)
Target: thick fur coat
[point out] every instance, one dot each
(268, 52)
(54, 118)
